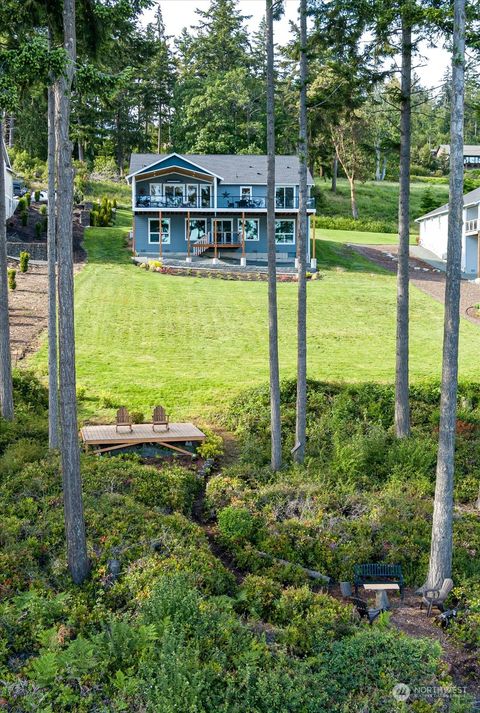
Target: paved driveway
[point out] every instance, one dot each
(427, 278)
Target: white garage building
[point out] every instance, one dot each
(434, 233)
(10, 202)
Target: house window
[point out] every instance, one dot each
(205, 196)
(285, 197)
(245, 192)
(173, 196)
(156, 189)
(192, 195)
(251, 229)
(153, 230)
(285, 232)
(198, 228)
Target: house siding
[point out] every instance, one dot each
(178, 242)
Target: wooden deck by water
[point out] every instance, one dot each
(107, 438)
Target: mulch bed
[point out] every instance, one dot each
(221, 274)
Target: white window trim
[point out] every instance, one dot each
(164, 242)
(174, 185)
(192, 185)
(249, 188)
(283, 220)
(200, 187)
(287, 185)
(160, 185)
(249, 240)
(223, 220)
(204, 220)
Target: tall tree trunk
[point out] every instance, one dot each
(81, 152)
(402, 406)
(159, 134)
(334, 174)
(6, 384)
(276, 427)
(11, 131)
(53, 440)
(302, 241)
(442, 526)
(70, 452)
(353, 197)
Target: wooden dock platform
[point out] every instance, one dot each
(102, 439)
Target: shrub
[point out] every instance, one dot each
(43, 210)
(212, 447)
(361, 224)
(24, 260)
(38, 229)
(12, 282)
(258, 596)
(22, 205)
(137, 416)
(24, 217)
(28, 198)
(428, 201)
(237, 525)
(104, 168)
(37, 196)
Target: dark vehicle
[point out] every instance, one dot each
(19, 188)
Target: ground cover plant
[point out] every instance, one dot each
(162, 623)
(137, 330)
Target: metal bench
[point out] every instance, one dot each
(379, 573)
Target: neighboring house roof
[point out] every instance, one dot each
(236, 168)
(468, 150)
(471, 198)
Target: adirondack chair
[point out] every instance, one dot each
(123, 419)
(436, 597)
(160, 418)
(362, 608)
(346, 589)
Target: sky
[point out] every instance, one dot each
(178, 14)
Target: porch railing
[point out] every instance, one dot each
(471, 226)
(224, 201)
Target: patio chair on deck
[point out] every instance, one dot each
(160, 418)
(124, 420)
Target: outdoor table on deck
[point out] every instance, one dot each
(382, 601)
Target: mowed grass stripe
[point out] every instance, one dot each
(193, 343)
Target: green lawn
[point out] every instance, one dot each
(193, 343)
(358, 237)
(376, 201)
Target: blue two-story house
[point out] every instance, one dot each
(187, 206)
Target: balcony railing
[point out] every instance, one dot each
(471, 226)
(223, 202)
(172, 202)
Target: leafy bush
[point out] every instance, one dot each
(24, 218)
(24, 259)
(362, 224)
(212, 447)
(237, 525)
(104, 168)
(43, 210)
(12, 282)
(38, 229)
(102, 213)
(36, 196)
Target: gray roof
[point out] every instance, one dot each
(237, 168)
(470, 198)
(468, 149)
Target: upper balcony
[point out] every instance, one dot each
(225, 201)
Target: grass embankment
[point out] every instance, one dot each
(376, 200)
(194, 343)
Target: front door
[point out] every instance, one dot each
(224, 232)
